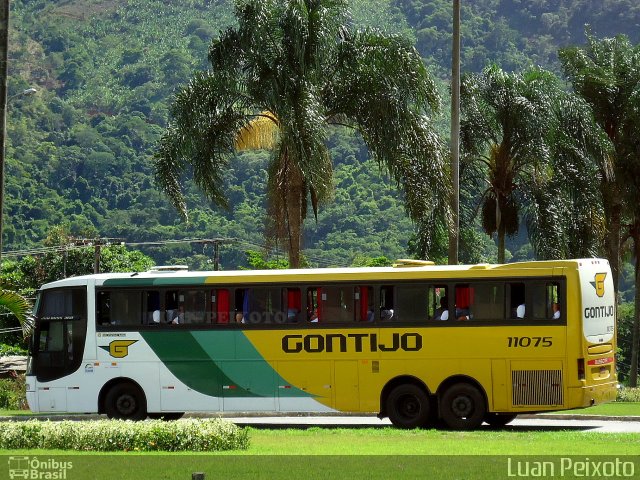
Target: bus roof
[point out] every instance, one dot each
(401, 271)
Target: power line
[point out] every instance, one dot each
(85, 243)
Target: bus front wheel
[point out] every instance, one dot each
(462, 407)
(125, 401)
(408, 406)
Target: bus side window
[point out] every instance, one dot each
(338, 304)
(152, 308)
(103, 308)
(293, 303)
(464, 296)
(387, 304)
(195, 305)
(119, 307)
(412, 303)
(220, 305)
(364, 303)
(516, 305)
(488, 301)
(314, 305)
(438, 303)
(546, 301)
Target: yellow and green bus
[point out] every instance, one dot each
(419, 343)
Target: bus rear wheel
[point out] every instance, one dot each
(408, 406)
(125, 401)
(462, 407)
(499, 419)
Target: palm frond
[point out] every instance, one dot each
(261, 133)
(19, 306)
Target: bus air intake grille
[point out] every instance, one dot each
(537, 387)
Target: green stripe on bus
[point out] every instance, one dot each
(212, 362)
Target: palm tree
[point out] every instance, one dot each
(530, 147)
(299, 67)
(606, 74)
(17, 305)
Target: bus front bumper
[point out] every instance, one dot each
(32, 398)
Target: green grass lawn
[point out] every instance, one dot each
(615, 409)
(357, 453)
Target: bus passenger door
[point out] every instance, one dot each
(347, 398)
(304, 386)
(500, 389)
(248, 386)
(175, 396)
(52, 399)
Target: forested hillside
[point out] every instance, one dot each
(79, 150)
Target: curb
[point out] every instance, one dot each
(94, 416)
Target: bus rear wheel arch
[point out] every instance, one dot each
(408, 406)
(125, 401)
(462, 406)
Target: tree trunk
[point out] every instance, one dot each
(295, 199)
(500, 229)
(501, 247)
(635, 345)
(613, 213)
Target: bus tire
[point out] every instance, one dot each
(125, 401)
(408, 406)
(166, 416)
(462, 407)
(499, 419)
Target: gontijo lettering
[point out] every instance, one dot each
(599, 312)
(351, 342)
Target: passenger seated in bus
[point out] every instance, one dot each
(444, 308)
(556, 310)
(155, 316)
(314, 316)
(292, 315)
(520, 311)
(386, 314)
(239, 317)
(176, 317)
(463, 314)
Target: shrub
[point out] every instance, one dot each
(628, 394)
(194, 435)
(11, 350)
(12, 393)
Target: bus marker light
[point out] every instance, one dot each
(581, 375)
(284, 386)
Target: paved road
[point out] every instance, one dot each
(520, 424)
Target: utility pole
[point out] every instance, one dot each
(216, 242)
(96, 256)
(454, 234)
(4, 57)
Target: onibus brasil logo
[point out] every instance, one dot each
(33, 467)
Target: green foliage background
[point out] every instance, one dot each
(79, 151)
